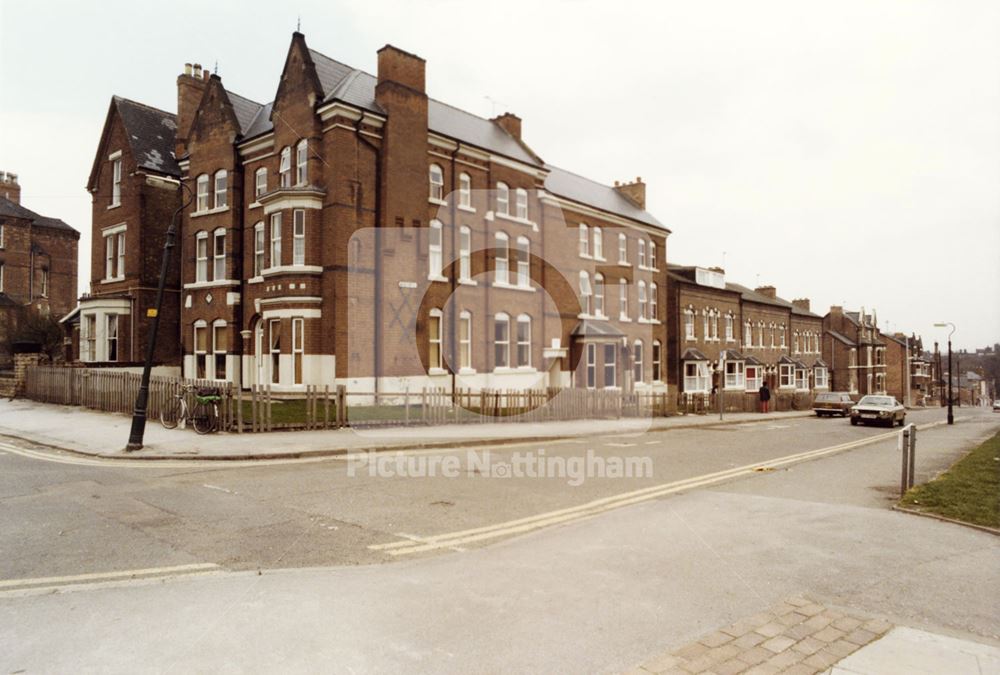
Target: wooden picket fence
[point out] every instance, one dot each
(736, 401)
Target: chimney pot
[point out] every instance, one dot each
(197, 70)
(634, 192)
(510, 123)
(187, 68)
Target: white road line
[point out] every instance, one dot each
(194, 568)
(620, 445)
(594, 507)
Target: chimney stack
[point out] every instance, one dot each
(801, 303)
(510, 123)
(769, 291)
(401, 68)
(634, 192)
(190, 88)
(9, 187)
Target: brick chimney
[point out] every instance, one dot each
(190, 87)
(400, 92)
(801, 303)
(9, 187)
(634, 192)
(510, 123)
(769, 291)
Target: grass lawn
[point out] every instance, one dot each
(969, 491)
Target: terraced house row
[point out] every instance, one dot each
(356, 231)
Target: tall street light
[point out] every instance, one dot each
(945, 324)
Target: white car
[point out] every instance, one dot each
(878, 410)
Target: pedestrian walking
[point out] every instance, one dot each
(765, 397)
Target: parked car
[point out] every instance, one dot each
(996, 405)
(880, 410)
(833, 403)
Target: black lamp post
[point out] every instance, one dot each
(142, 398)
(951, 375)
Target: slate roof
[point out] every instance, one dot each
(733, 355)
(596, 329)
(341, 82)
(7, 301)
(11, 210)
(751, 295)
(151, 133)
(842, 338)
(692, 354)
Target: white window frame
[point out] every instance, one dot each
(591, 359)
(654, 311)
(598, 247)
(465, 253)
(274, 349)
(641, 254)
(642, 299)
(748, 334)
(200, 353)
(299, 237)
(521, 204)
(501, 261)
(109, 256)
(218, 325)
(435, 180)
(465, 191)
(501, 341)
(120, 245)
(523, 253)
(586, 294)
(218, 259)
(260, 182)
(753, 383)
(465, 340)
(730, 320)
(285, 168)
(786, 376)
(201, 257)
(689, 327)
(298, 349)
(622, 249)
(258, 248)
(735, 375)
(657, 359)
(88, 337)
(111, 336)
(611, 366)
(201, 184)
(821, 377)
(220, 191)
(275, 240)
(599, 296)
(435, 341)
(584, 232)
(302, 162)
(523, 341)
(651, 255)
(623, 300)
(638, 371)
(435, 255)
(116, 180)
(503, 199)
(802, 379)
(696, 383)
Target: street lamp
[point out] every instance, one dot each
(945, 324)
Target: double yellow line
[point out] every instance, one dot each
(455, 539)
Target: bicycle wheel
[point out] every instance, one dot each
(204, 418)
(170, 413)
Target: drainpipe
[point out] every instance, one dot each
(451, 319)
(377, 304)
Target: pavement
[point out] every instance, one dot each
(101, 434)
(602, 592)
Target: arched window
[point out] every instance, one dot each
(730, 336)
(502, 259)
(285, 167)
(465, 191)
(302, 162)
(501, 340)
(584, 240)
(586, 294)
(643, 307)
(652, 255)
(202, 188)
(642, 253)
(260, 182)
(622, 249)
(637, 369)
(434, 260)
(436, 183)
(747, 334)
(523, 341)
(523, 262)
(599, 294)
(503, 199)
(689, 333)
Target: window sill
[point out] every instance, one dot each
(468, 282)
(624, 264)
(114, 206)
(112, 280)
(436, 371)
(506, 370)
(254, 205)
(466, 371)
(436, 277)
(467, 209)
(211, 284)
(209, 212)
(255, 280)
(292, 269)
(437, 202)
(586, 256)
(515, 219)
(514, 287)
(624, 319)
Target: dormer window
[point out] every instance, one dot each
(301, 163)
(202, 189)
(221, 183)
(522, 204)
(436, 177)
(285, 168)
(503, 199)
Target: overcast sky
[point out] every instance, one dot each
(848, 152)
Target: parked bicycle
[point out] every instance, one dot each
(204, 417)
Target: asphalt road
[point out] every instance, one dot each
(80, 515)
(597, 594)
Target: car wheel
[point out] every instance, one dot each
(854, 422)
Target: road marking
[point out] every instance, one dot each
(220, 489)
(604, 504)
(620, 445)
(8, 585)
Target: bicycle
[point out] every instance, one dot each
(205, 415)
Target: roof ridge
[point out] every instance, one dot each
(143, 105)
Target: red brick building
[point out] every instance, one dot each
(135, 189)
(856, 352)
(356, 231)
(38, 265)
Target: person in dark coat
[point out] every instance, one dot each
(765, 397)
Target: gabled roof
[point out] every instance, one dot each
(246, 110)
(733, 355)
(11, 210)
(692, 354)
(893, 338)
(151, 133)
(7, 301)
(819, 363)
(595, 329)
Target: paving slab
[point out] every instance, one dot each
(919, 652)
